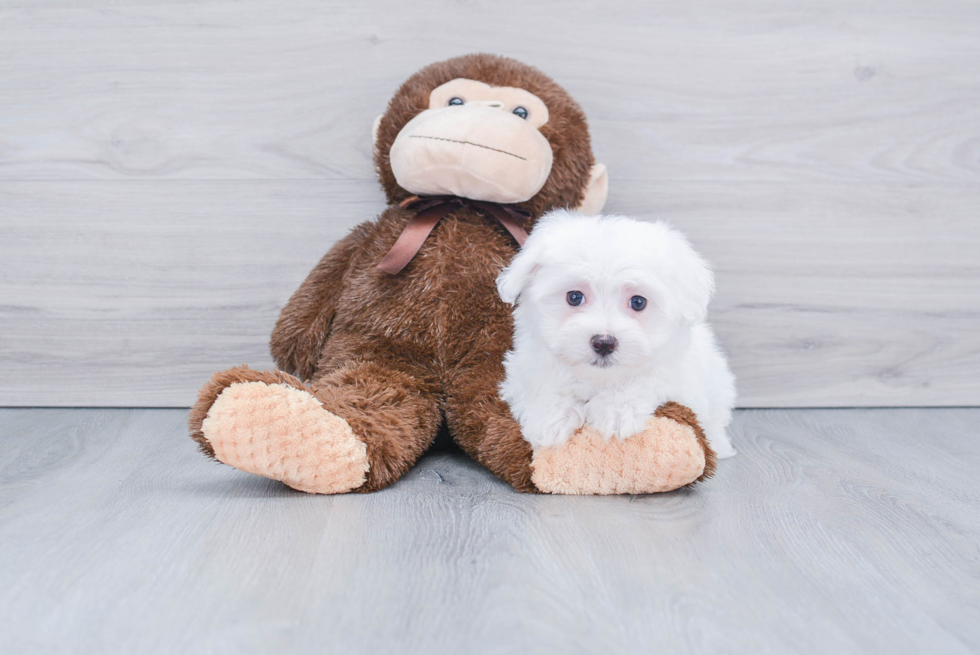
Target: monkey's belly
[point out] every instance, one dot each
(441, 309)
(468, 255)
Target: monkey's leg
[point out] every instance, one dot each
(393, 409)
(358, 428)
(670, 453)
(481, 423)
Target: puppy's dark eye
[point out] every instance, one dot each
(455, 101)
(637, 303)
(521, 112)
(575, 298)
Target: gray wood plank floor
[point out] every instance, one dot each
(833, 531)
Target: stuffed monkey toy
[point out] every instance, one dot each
(399, 327)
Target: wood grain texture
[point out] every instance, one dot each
(833, 531)
(169, 172)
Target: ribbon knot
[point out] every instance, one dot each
(431, 210)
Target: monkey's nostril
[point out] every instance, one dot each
(604, 344)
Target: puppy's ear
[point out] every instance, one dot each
(513, 279)
(694, 285)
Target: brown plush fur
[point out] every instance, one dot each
(391, 354)
(685, 415)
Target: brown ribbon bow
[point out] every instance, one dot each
(431, 210)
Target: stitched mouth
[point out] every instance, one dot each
(467, 143)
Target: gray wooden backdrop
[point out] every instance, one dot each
(170, 171)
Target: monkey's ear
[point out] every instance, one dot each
(374, 129)
(595, 195)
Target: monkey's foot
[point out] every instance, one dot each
(270, 426)
(670, 453)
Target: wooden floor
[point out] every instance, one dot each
(833, 531)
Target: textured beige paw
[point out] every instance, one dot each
(664, 457)
(284, 433)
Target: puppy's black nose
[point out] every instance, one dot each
(604, 344)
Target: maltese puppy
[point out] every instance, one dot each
(609, 325)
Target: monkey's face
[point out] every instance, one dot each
(475, 141)
(488, 128)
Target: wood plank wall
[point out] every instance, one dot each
(170, 171)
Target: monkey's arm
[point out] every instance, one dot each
(304, 323)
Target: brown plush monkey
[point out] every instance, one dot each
(399, 327)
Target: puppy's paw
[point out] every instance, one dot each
(717, 437)
(723, 447)
(616, 419)
(544, 429)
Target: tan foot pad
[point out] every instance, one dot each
(283, 433)
(664, 457)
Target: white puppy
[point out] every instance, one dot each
(609, 325)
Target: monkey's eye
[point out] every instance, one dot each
(575, 298)
(520, 112)
(637, 303)
(455, 101)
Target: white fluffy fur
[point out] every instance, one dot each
(556, 382)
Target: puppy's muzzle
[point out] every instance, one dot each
(603, 344)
